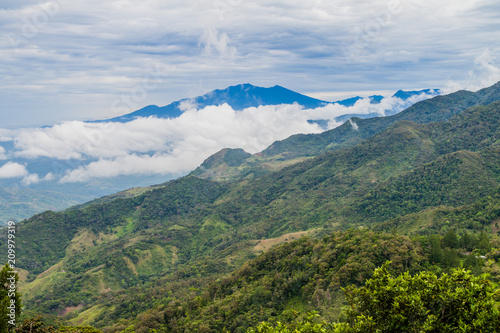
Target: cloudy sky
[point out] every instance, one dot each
(62, 62)
(73, 60)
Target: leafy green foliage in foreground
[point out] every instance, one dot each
(10, 299)
(458, 301)
(306, 271)
(455, 302)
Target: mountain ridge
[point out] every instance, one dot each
(246, 95)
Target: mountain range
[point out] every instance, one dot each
(202, 253)
(245, 96)
(44, 191)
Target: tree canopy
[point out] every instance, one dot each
(454, 302)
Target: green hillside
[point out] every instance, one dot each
(480, 215)
(306, 273)
(303, 275)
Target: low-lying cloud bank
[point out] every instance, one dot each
(147, 146)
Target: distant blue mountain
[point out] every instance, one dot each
(375, 99)
(407, 94)
(243, 96)
(238, 97)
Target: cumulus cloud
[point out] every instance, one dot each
(161, 146)
(209, 127)
(16, 170)
(13, 170)
(133, 165)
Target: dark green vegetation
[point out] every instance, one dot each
(481, 215)
(306, 273)
(186, 256)
(222, 165)
(455, 302)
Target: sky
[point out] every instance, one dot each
(63, 62)
(80, 59)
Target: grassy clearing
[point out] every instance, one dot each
(266, 244)
(42, 281)
(86, 317)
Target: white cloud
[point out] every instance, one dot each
(33, 178)
(354, 125)
(211, 126)
(484, 73)
(30, 179)
(16, 170)
(133, 165)
(13, 170)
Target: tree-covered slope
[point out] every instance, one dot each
(302, 272)
(403, 166)
(480, 215)
(305, 275)
(46, 237)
